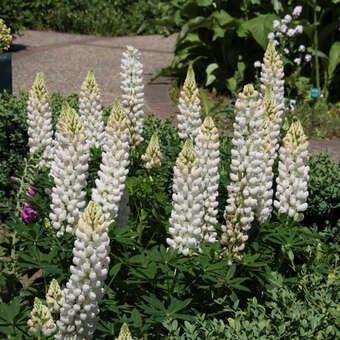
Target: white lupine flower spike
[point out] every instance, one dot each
(110, 183)
(69, 170)
(79, 312)
(124, 333)
(55, 296)
(41, 319)
(187, 210)
(189, 117)
(270, 147)
(207, 150)
(39, 120)
(153, 155)
(133, 92)
(292, 182)
(246, 171)
(272, 75)
(90, 111)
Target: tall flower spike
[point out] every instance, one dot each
(5, 37)
(153, 154)
(39, 120)
(246, 160)
(41, 319)
(69, 170)
(187, 209)
(189, 118)
(124, 333)
(79, 312)
(90, 111)
(207, 149)
(271, 144)
(292, 188)
(114, 167)
(133, 92)
(55, 297)
(272, 75)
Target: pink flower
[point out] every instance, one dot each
(28, 214)
(13, 178)
(31, 191)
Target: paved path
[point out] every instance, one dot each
(66, 58)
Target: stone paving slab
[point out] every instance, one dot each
(66, 58)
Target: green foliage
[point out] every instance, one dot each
(107, 18)
(324, 191)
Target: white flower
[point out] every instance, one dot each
(279, 34)
(133, 92)
(69, 170)
(283, 28)
(84, 289)
(187, 202)
(286, 50)
(291, 32)
(287, 19)
(90, 111)
(110, 183)
(55, 296)
(272, 75)
(302, 48)
(39, 120)
(297, 11)
(124, 333)
(292, 104)
(271, 35)
(297, 61)
(299, 29)
(153, 155)
(41, 319)
(189, 117)
(276, 23)
(276, 43)
(207, 150)
(247, 156)
(257, 63)
(308, 57)
(292, 188)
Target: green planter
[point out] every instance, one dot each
(6, 72)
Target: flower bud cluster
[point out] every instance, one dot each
(272, 75)
(5, 37)
(292, 188)
(133, 92)
(39, 120)
(153, 155)
(69, 170)
(113, 171)
(41, 319)
(55, 297)
(124, 333)
(79, 312)
(90, 111)
(271, 145)
(207, 150)
(189, 118)
(247, 157)
(187, 210)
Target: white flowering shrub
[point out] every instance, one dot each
(292, 189)
(187, 202)
(207, 150)
(246, 172)
(39, 120)
(133, 92)
(84, 289)
(110, 183)
(189, 116)
(90, 111)
(69, 170)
